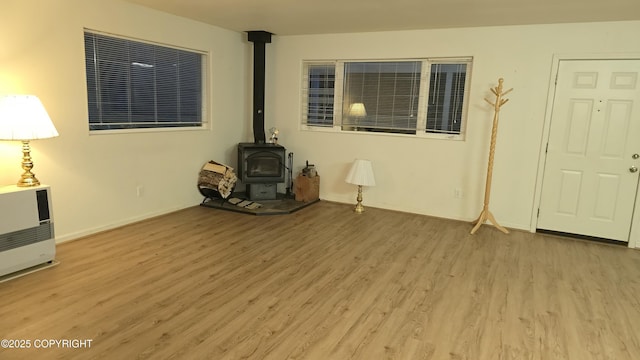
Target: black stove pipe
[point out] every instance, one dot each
(259, 40)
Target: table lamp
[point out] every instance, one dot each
(24, 118)
(361, 174)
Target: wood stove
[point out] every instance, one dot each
(261, 167)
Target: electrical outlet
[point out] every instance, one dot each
(139, 190)
(457, 193)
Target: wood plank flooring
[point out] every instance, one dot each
(324, 283)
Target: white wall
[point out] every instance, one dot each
(94, 177)
(420, 175)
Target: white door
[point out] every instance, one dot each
(590, 174)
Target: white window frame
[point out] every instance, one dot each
(421, 122)
(205, 117)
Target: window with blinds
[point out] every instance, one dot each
(446, 98)
(319, 92)
(137, 85)
(381, 96)
(418, 97)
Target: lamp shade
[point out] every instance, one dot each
(23, 117)
(361, 173)
(357, 109)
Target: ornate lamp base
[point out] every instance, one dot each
(359, 209)
(28, 178)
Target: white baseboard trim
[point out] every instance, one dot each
(86, 232)
(509, 225)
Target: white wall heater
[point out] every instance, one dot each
(26, 228)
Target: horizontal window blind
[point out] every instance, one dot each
(447, 93)
(318, 109)
(133, 85)
(407, 96)
(381, 96)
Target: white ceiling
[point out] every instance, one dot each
(294, 17)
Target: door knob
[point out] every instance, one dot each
(633, 169)
(635, 156)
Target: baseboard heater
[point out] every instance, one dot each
(26, 228)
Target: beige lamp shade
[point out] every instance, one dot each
(357, 109)
(361, 173)
(23, 117)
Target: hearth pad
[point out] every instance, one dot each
(238, 202)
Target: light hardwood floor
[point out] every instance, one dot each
(324, 283)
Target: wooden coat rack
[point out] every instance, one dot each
(486, 214)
